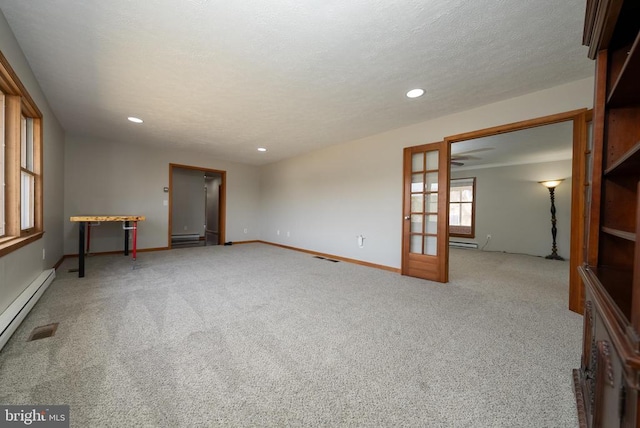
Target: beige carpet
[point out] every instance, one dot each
(254, 335)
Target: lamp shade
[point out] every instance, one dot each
(551, 183)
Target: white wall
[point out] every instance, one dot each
(188, 197)
(514, 208)
(121, 178)
(19, 268)
(328, 197)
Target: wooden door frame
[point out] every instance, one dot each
(222, 218)
(579, 118)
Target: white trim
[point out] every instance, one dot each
(11, 318)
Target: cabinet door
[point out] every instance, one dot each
(609, 394)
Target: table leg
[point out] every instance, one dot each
(135, 239)
(81, 226)
(126, 238)
(88, 238)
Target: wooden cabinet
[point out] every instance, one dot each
(608, 380)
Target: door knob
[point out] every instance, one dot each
(407, 217)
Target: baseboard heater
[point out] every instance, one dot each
(458, 244)
(11, 318)
(185, 238)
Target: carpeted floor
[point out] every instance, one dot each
(255, 335)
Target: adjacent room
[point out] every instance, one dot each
(293, 214)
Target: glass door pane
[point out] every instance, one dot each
(424, 203)
(417, 162)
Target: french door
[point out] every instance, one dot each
(425, 226)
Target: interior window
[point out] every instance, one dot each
(20, 163)
(462, 207)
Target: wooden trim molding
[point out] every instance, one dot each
(472, 229)
(579, 118)
(18, 103)
(579, 186)
(600, 21)
(222, 219)
(12, 244)
(12, 165)
(597, 154)
(334, 257)
(580, 403)
(604, 378)
(587, 335)
(59, 262)
(11, 84)
(516, 126)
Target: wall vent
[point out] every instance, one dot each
(324, 258)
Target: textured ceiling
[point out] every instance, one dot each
(227, 77)
(534, 145)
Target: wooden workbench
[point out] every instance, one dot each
(83, 220)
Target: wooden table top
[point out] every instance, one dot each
(107, 218)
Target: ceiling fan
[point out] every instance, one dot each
(463, 156)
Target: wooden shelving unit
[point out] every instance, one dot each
(629, 163)
(622, 91)
(629, 236)
(608, 380)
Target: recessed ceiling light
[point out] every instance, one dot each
(415, 93)
(262, 149)
(134, 119)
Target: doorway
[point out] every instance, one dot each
(212, 190)
(578, 123)
(197, 206)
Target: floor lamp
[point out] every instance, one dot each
(551, 185)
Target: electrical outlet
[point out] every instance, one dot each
(288, 234)
(246, 230)
(488, 236)
(43, 254)
(278, 232)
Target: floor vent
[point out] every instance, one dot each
(43, 332)
(324, 258)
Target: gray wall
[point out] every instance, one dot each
(119, 177)
(327, 198)
(188, 202)
(514, 208)
(20, 267)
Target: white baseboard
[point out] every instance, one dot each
(11, 318)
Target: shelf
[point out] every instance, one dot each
(629, 236)
(628, 163)
(626, 90)
(617, 282)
